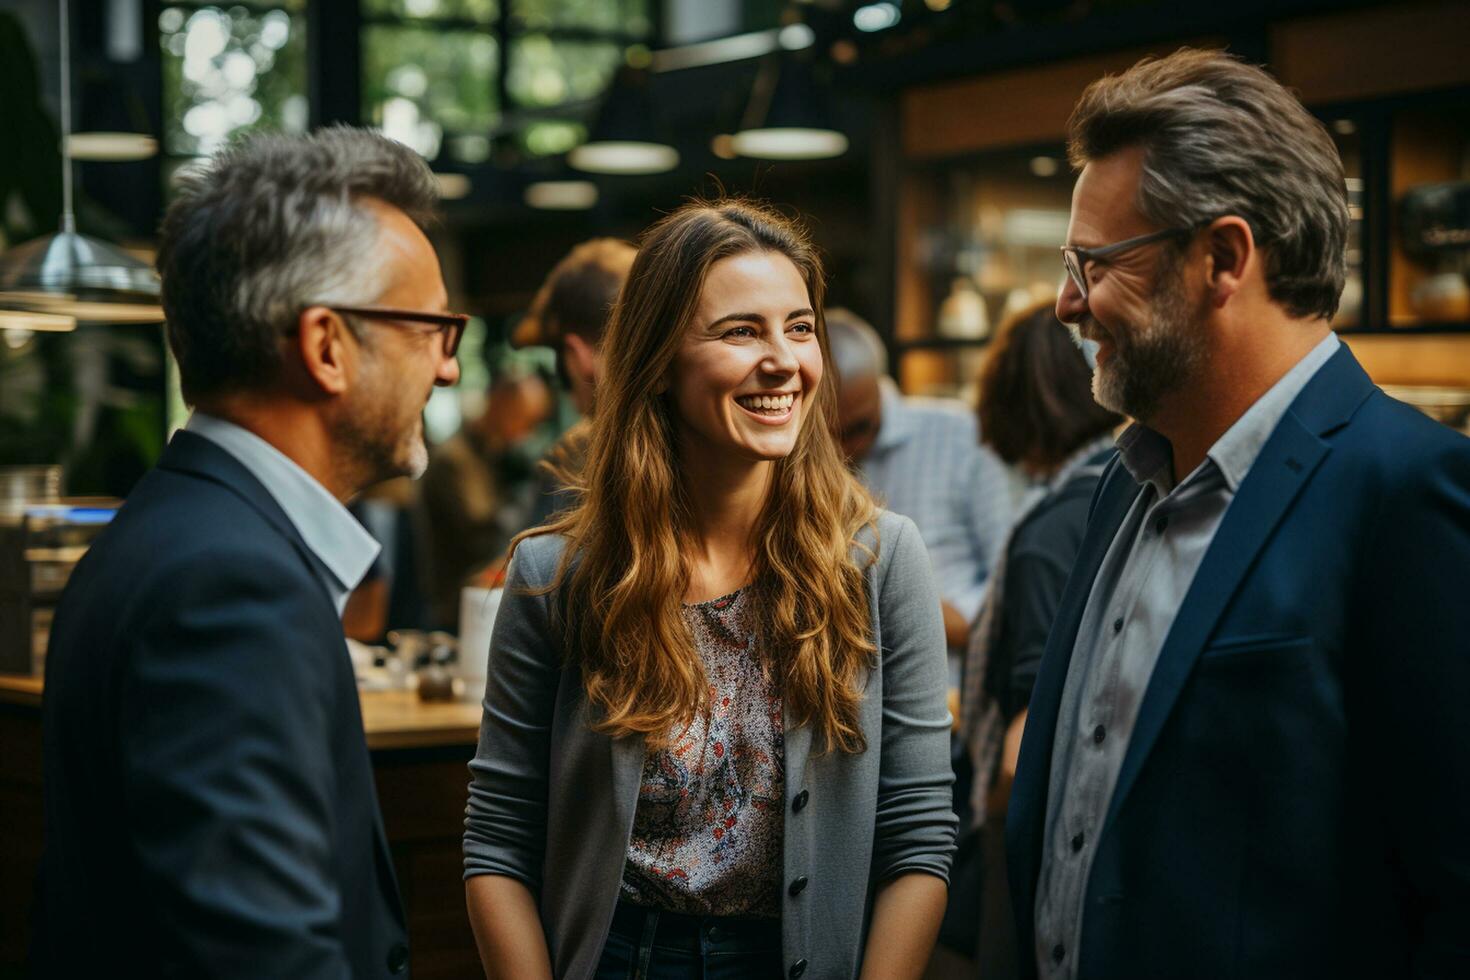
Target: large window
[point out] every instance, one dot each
(228, 68)
(448, 77)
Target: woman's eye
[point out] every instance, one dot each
(740, 332)
(808, 328)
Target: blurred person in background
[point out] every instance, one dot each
(569, 315)
(1037, 413)
(922, 458)
(715, 735)
(392, 594)
(210, 808)
(478, 491)
(1244, 751)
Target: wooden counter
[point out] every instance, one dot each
(390, 719)
(419, 752)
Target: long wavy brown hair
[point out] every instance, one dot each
(625, 569)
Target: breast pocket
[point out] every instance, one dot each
(1258, 651)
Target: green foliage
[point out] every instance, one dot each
(229, 70)
(482, 11)
(421, 84)
(624, 17)
(545, 72)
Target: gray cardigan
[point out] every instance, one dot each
(551, 802)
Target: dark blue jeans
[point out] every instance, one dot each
(646, 944)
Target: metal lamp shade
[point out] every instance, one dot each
(75, 275)
(797, 125)
(624, 140)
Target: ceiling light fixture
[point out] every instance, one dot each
(69, 273)
(787, 117)
(624, 140)
(561, 195)
(453, 187)
(116, 147)
(36, 322)
(876, 17)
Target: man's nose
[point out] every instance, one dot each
(448, 373)
(1071, 307)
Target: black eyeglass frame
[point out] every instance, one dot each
(1076, 257)
(451, 325)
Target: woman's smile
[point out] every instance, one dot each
(770, 409)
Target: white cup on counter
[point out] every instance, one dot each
(477, 609)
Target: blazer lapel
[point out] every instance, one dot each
(190, 453)
(1285, 464)
(1027, 812)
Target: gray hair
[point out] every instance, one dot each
(1221, 137)
(272, 225)
(857, 350)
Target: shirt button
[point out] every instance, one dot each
(1077, 841)
(797, 886)
(1098, 734)
(797, 969)
(397, 958)
(1057, 952)
(1118, 625)
(799, 803)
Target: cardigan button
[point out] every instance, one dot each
(797, 886)
(797, 969)
(799, 803)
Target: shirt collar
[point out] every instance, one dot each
(1238, 448)
(1148, 456)
(343, 548)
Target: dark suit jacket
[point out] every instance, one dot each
(1295, 800)
(210, 809)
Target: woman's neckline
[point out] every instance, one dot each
(727, 598)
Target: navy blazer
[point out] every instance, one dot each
(1295, 801)
(210, 809)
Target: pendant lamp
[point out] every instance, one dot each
(71, 274)
(787, 117)
(623, 137)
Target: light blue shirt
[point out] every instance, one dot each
(1135, 598)
(928, 465)
(343, 550)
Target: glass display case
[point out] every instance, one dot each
(1429, 248)
(987, 247)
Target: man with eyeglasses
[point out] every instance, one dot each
(210, 808)
(1244, 750)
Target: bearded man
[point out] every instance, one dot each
(1243, 752)
(210, 809)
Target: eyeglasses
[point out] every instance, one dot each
(451, 325)
(1075, 257)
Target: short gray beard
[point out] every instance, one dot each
(1153, 360)
(367, 438)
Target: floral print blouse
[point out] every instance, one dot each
(707, 830)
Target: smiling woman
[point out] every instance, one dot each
(728, 617)
(739, 375)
